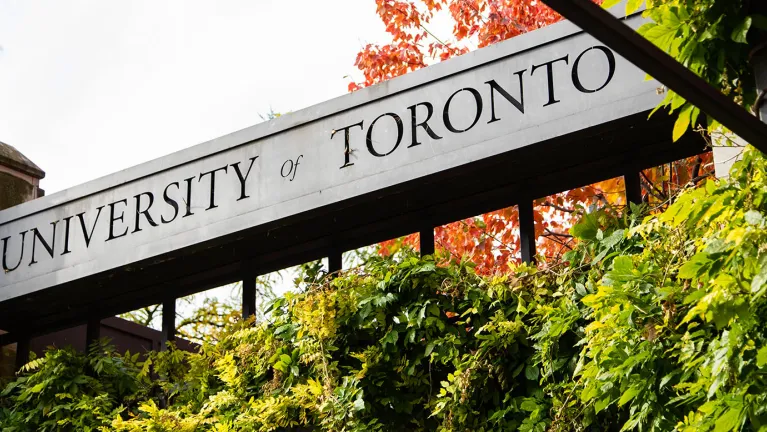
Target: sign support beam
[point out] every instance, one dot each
(426, 237)
(22, 352)
(661, 66)
(248, 296)
(760, 70)
(92, 331)
(335, 262)
(168, 323)
(527, 230)
(633, 187)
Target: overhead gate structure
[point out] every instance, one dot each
(542, 113)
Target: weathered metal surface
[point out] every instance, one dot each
(533, 88)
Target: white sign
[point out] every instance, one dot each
(517, 93)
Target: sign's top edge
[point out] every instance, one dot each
(477, 58)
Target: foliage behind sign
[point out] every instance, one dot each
(655, 324)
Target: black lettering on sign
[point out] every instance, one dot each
(113, 219)
(212, 185)
(66, 234)
(171, 202)
(48, 247)
(446, 111)
(456, 117)
(188, 197)
(400, 130)
(518, 104)
(5, 253)
(88, 236)
(424, 124)
(292, 168)
(144, 212)
(244, 178)
(347, 138)
(550, 77)
(610, 69)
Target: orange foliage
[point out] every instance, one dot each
(476, 23)
(491, 240)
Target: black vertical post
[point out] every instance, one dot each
(633, 187)
(759, 60)
(92, 332)
(527, 230)
(760, 70)
(168, 323)
(335, 261)
(248, 296)
(427, 241)
(22, 351)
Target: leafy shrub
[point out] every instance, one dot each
(69, 391)
(655, 323)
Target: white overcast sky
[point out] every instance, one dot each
(88, 88)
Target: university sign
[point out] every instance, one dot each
(532, 88)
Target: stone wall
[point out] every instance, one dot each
(14, 190)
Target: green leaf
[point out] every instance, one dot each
(429, 348)
(692, 268)
(282, 367)
(645, 27)
(601, 404)
(682, 122)
(286, 359)
(633, 5)
(283, 328)
(623, 264)
(694, 116)
(706, 34)
(391, 337)
(609, 243)
(528, 405)
(607, 4)
(761, 357)
(729, 421)
(586, 229)
(359, 404)
(531, 372)
(628, 395)
(666, 379)
(741, 30)
(759, 282)
(662, 36)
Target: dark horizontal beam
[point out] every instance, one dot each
(661, 66)
(9, 338)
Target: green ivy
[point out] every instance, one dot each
(654, 323)
(712, 38)
(69, 391)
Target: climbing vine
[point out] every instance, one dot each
(715, 39)
(652, 323)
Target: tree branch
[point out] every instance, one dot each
(556, 207)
